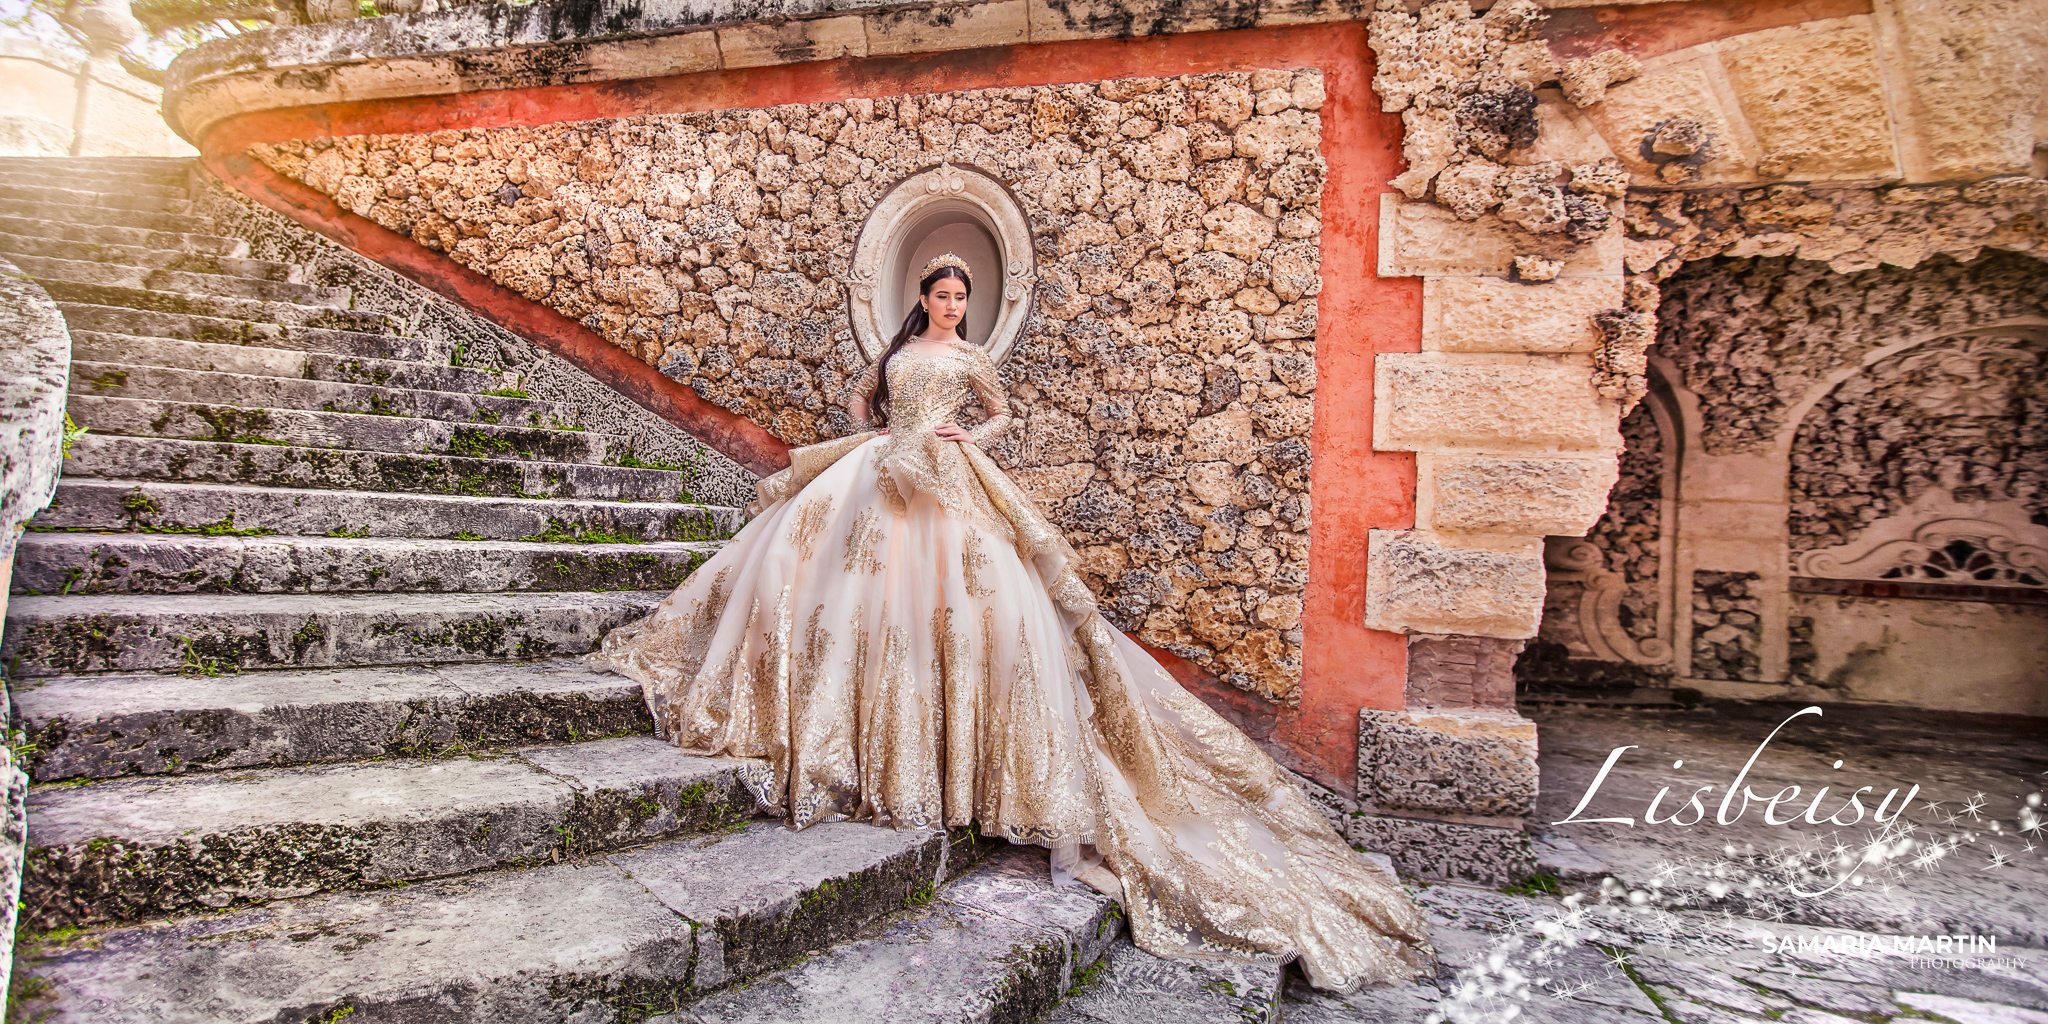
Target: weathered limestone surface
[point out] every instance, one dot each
(115, 506)
(100, 633)
(140, 564)
(1429, 402)
(1000, 943)
(577, 941)
(1499, 215)
(1487, 314)
(1165, 381)
(1441, 849)
(1969, 80)
(1519, 496)
(1131, 986)
(1461, 671)
(1814, 97)
(1416, 582)
(1456, 763)
(109, 726)
(471, 343)
(35, 353)
(125, 849)
(1419, 239)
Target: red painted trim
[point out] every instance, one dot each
(1353, 489)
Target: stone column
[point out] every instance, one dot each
(1446, 785)
(1515, 440)
(109, 26)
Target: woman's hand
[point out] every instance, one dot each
(953, 432)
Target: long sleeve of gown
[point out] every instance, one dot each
(988, 387)
(862, 389)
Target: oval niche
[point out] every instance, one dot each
(943, 209)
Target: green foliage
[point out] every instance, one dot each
(1542, 883)
(471, 443)
(559, 532)
(506, 393)
(198, 666)
(72, 432)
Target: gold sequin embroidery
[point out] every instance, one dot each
(807, 525)
(863, 541)
(972, 561)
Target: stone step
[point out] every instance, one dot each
(144, 563)
(151, 259)
(126, 168)
(106, 234)
(131, 849)
(111, 199)
(101, 727)
(214, 633)
(212, 330)
(72, 213)
(96, 346)
(250, 310)
(125, 379)
(599, 939)
(262, 465)
(104, 181)
(1131, 986)
(177, 282)
(1001, 944)
(141, 417)
(103, 506)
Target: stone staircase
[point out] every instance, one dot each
(294, 656)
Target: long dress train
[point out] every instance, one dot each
(900, 636)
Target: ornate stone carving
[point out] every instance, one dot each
(1598, 610)
(904, 216)
(1990, 546)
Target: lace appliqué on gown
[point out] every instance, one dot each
(899, 635)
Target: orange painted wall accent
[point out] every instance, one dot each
(1352, 488)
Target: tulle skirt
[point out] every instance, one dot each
(895, 652)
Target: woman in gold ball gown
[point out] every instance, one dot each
(900, 637)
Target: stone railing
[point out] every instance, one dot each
(35, 367)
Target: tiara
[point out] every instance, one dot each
(947, 260)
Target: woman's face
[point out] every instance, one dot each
(946, 303)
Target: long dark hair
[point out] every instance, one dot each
(913, 325)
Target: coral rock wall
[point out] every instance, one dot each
(1165, 380)
(1754, 338)
(1968, 416)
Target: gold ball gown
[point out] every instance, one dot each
(899, 636)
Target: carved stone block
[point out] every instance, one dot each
(1431, 402)
(1417, 584)
(1464, 763)
(1815, 98)
(1487, 314)
(1520, 496)
(1423, 239)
